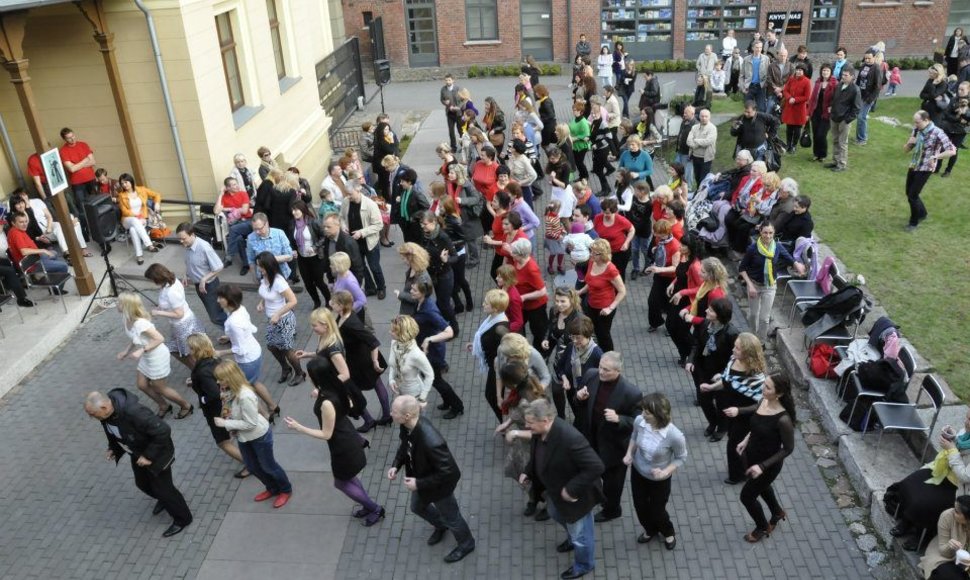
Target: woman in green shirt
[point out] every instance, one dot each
(579, 130)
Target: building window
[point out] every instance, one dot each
(230, 60)
(481, 19)
(277, 38)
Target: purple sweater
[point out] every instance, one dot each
(349, 283)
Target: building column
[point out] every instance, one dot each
(12, 29)
(93, 12)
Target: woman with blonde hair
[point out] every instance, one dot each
(739, 385)
(409, 372)
(514, 347)
(241, 417)
(147, 346)
(347, 457)
(934, 92)
(418, 261)
(364, 356)
(344, 280)
(485, 344)
(330, 347)
(566, 307)
(564, 140)
(604, 290)
(210, 396)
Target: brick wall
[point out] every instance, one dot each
(395, 35)
(907, 30)
(455, 49)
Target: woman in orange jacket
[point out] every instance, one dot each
(133, 203)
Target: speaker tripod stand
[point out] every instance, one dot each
(115, 281)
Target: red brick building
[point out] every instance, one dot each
(421, 33)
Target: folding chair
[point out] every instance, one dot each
(787, 276)
(35, 274)
(904, 416)
(808, 292)
(909, 365)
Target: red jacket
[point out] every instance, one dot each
(826, 97)
(799, 89)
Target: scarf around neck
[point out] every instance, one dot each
(705, 287)
(660, 254)
(769, 253)
(300, 226)
(489, 321)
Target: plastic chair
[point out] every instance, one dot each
(904, 416)
(808, 292)
(36, 274)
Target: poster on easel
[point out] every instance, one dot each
(54, 170)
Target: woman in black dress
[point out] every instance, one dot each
(770, 440)
(385, 143)
(210, 395)
(739, 385)
(566, 307)
(347, 457)
(363, 355)
(714, 340)
(330, 348)
(485, 345)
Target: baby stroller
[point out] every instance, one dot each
(707, 208)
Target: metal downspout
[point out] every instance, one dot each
(167, 98)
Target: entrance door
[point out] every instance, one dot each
(536, 18)
(422, 33)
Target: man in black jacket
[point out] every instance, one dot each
(650, 95)
(431, 475)
(608, 406)
(752, 130)
(135, 429)
(846, 104)
(336, 240)
(565, 464)
(449, 99)
(409, 202)
(683, 150)
(870, 81)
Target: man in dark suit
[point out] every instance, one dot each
(336, 240)
(565, 464)
(135, 429)
(432, 475)
(409, 202)
(609, 404)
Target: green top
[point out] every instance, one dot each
(579, 130)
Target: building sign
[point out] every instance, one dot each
(776, 20)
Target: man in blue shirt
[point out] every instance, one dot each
(267, 239)
(754, 69)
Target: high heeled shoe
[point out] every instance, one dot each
(384, 421)
(285, 376)
(161, 414)
(367, 426)
(773, 522)
(756, 536)
(185, 412)
(373, 518)
(297, 379)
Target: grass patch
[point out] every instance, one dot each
(918, 278)
(404, 144)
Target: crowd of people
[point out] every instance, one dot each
(517, 184)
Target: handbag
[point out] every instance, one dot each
(806, 140)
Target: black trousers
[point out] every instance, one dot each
(701, 168)
(491, 397)
(11, 281)
(620, 260)
(915, 181)
(313, 270)
(443, 285)
(820, 137)
(601, 326)
(761, 487)
(162, 488)
(948, 571)
(602, 168)
(448, 395)
(581, 163)
(738, 428)
(538, 321)
(613, 479)
(739, 231)
(708, 400)
(957, 139)
(680, 331)
(650, 502)
(792, 134)
(452, 130)
(461, 284)
(497, 261)
(657, 301)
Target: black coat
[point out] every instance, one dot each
(650, 96)
(705, 367)
(435, 245)
(205, 386)
(382, 148)
(142, 431)
(568, 462)
(425, 456)
(358, 344)
(344, 243)
(610, 440)
(846, 103)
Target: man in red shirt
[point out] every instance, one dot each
(234, 203)
(36, 172)
(21, 245)
(79, 161)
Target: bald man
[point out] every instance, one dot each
(135, 429)
(431, 475)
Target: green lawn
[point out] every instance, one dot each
(861, 214)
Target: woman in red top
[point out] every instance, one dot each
(506, 228)
(234, 201)
(714, 285)
(818, 110)
(794, 112)
(533, 290)
(604, 291)
(485, 178)
(507, 278)
(618, 231)
(666, 257)
(687, 278)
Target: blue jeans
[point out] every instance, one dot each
(252, 370)
(581, 535)
(216, 314)
(258, 457)
(237, 233)
(770, 101)
(685, 160)
(757, 94)
(637, 246)
(862, 127)
(444, 514)
(53, 264)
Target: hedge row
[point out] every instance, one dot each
(510, 70)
